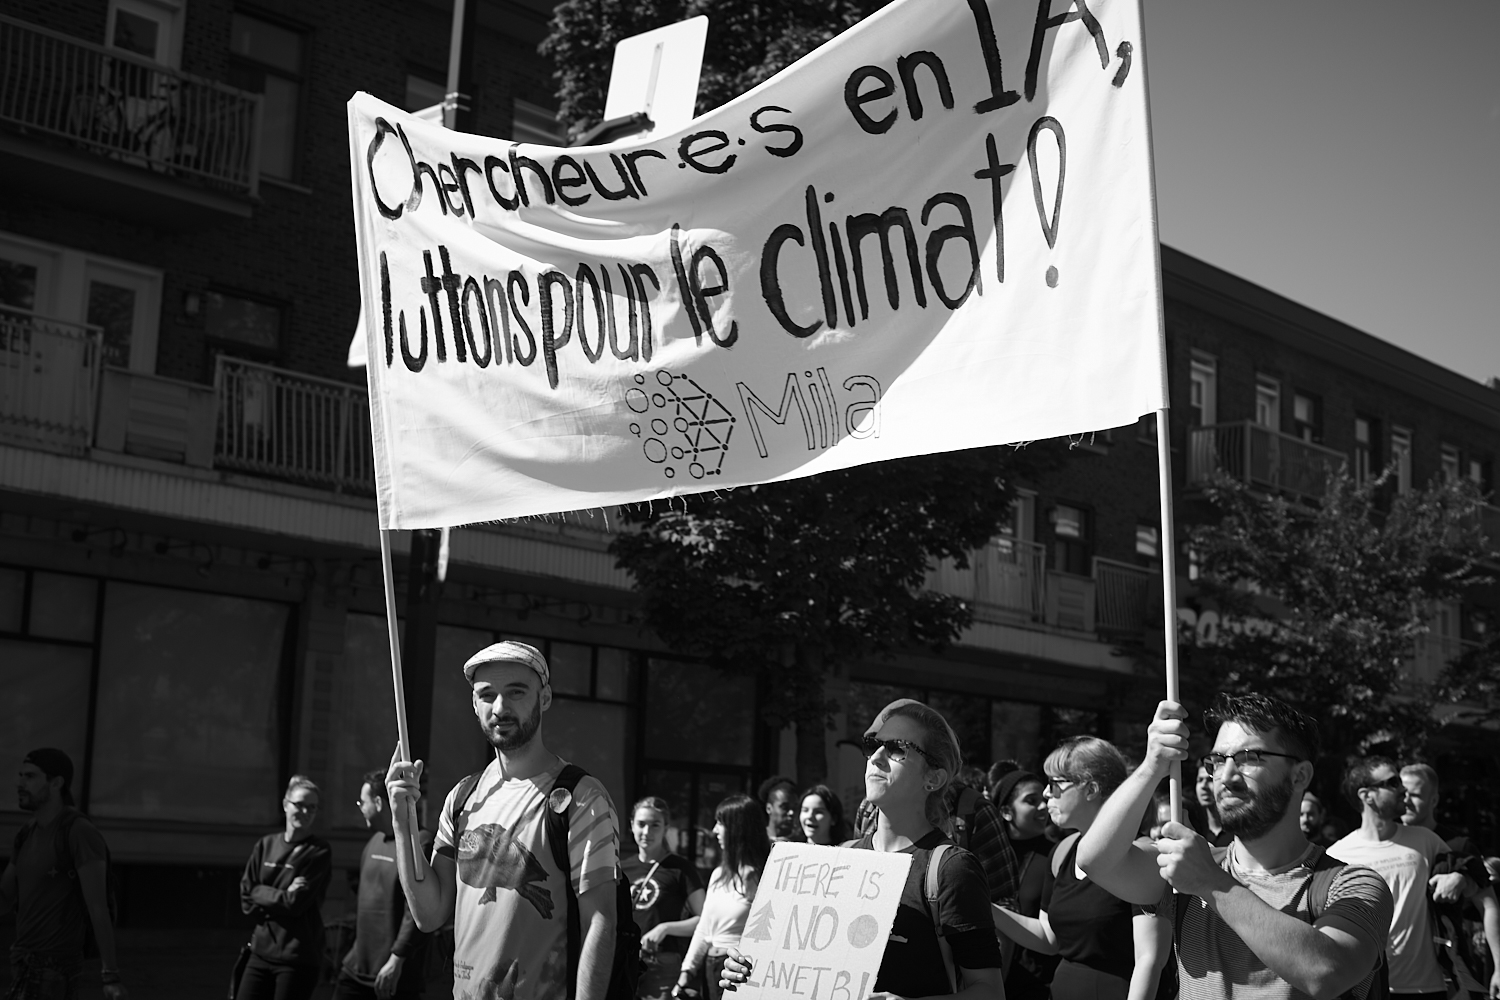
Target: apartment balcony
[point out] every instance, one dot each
(49, 377)
(111, 132)
(1260, 457)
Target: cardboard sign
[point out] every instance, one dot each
(935, 232)
(820, 922)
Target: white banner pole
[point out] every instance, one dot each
(1169, 585)
(396, 681)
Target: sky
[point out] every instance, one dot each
(1344, 155)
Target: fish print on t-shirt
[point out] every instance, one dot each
(489, 858)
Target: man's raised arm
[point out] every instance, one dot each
(430, 900)
(1107, 852)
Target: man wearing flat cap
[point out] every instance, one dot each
(57, 885)
(492, 871)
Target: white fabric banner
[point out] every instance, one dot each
(935, 232)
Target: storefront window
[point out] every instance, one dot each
(46, 702)
(187, 721)
(699, 713)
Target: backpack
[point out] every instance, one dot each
(929, 896)
(61, 830)
(1318, 885)
(625, 973)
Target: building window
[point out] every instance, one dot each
(1148, 541)
(1203, 390)
(423, 91)
(267, 60)
(242, 321)
(1145, 429)
(1479, 474)
(1449, 463)
(145, 28)
(1070, 547)
(1401, 457)
(1268, 402)
(1307, 417)
(1366, 448)
(535, 123)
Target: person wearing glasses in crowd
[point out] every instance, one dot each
(820, 817)
(1110, 950)
(667, 894)
(743, 849)
(1243, 914)
(912, 755)
(283, 888)
(1405, 856)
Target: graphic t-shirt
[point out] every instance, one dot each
(1405, 862)
(1213, 962)
(662, 897)
(51, 918)
(511, 913)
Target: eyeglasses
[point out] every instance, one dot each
(1056, 786)
(1393, 783)
(896, 750)
(1214, 762)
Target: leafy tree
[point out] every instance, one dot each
(1323, 604)
(797, 579)
(749, 41)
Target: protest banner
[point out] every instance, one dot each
(820, 922)
(935, 232)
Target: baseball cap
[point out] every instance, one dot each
(509, 651)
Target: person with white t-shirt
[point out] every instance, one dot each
(1403, 856)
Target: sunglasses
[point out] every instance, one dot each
(1214, 762)
(896, 750)
(1056, 786)
(1393, 783)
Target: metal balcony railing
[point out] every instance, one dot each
(290, 426)
(1124, 595)
(1006, 578)
(49, 377)
(1259, 456)
(130, 109)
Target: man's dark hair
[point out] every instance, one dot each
(376, 780)
(1357, 776)
(1298, 733)
(772, 783)
(53, 763)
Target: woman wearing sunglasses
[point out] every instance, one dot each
(912, 755)
(1110, 950)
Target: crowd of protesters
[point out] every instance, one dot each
(1072, 881)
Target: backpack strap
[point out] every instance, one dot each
(930, 894)
(462, 793)
(558, 807)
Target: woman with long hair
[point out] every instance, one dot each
(1109, 949)
(740, 826)
(912, 756)
(283, 888)
(667, 894)
(820, 817)
(1020, 797)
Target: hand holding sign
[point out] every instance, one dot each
(819, 924)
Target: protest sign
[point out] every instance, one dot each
(820, 922)
(935, 232)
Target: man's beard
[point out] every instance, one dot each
(521, 735)
(1390, 811)
(1254, 819)
(29, 802)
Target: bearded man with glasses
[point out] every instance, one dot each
(1404, 856)
(1270, 917)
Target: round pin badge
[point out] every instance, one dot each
(559, 800)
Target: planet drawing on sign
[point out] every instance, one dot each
(862, 931)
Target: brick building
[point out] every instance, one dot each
(190, 591)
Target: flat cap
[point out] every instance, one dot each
(509, 651)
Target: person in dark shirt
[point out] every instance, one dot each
(1311, 818)
(667, 896)
(387, 960)
(57, 884)
(283, 888)
(1205, 818)
(913, 754)
(1020, 797)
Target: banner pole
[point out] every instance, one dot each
(1169, 585)
(400, 688)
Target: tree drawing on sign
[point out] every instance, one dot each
(759, 928)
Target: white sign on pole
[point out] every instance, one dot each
(820, 922)
(935, 232)
(657, 72)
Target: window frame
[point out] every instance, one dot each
(1203, 378)
(1268, 391)
(1402, 449)
(237, 59)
